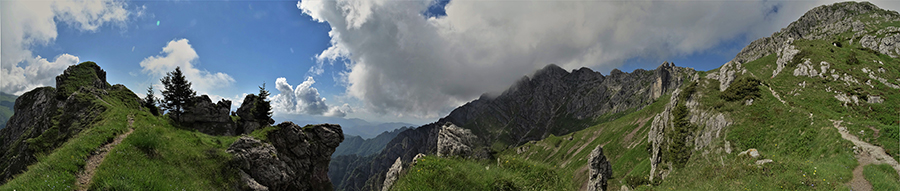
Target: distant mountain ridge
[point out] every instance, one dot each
(551, 102)
(356, 145)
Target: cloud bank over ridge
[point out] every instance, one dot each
(402, 63)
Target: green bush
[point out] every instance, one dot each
(635, 181)
(798, 58)
(742, 89)
(852, 60)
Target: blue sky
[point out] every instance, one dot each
(381, 61)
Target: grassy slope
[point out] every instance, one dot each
(554, 163)
(807, 149)
(177, 158)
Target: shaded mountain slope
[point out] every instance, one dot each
(551, 102)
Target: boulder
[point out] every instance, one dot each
(392, 175)
(764, 161)
(600, 168)
(454, 141)
(751, 152)
(416, 159)
(206, 117)
(295, 158)
(248, 121)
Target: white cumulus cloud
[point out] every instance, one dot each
(304, 99)
(403, 63)
(27, 24)
(179, 53)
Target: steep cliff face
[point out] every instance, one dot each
(294, 158)
(47, 117)
(552, 101)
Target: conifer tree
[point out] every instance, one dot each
(150, 101)
(263, 109)
(178, 93)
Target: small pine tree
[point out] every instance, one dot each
(263, 109)
(178, 93)
(150, 101)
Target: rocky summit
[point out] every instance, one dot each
(47, 117)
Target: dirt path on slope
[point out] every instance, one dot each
(868, 154)
(96, 158)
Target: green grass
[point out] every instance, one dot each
(81, 75)
(560, 162)
(510, 173)
(156, 156)
(882, 177)
(56, 170)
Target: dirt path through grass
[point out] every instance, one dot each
(96, 158)
(868, 154)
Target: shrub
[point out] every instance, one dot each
(742, 89)
(798, 58)
(852, 60)
(635, 181)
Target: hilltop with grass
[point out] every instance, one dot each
(85, 134)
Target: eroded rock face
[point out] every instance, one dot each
(455, 141)
(656, 136)
(600, 168)
(392, 175)
(207, 117)
(888, 44)
(295, 158)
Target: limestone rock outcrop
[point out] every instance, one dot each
(600, 170)
(455, 141)
(818, 23)
(207, 117)
(392, 175)
(294, 158)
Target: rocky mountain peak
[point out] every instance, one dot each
(823, 22)
(83, 74)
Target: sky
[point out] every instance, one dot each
(407, 61)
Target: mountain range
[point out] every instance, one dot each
(814, 106)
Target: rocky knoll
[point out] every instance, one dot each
(819, 23)
(249, 121)
(292, 158)
(207, 117)
(551, 101)
(46, 117)
(454, 141)
(214, 119)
